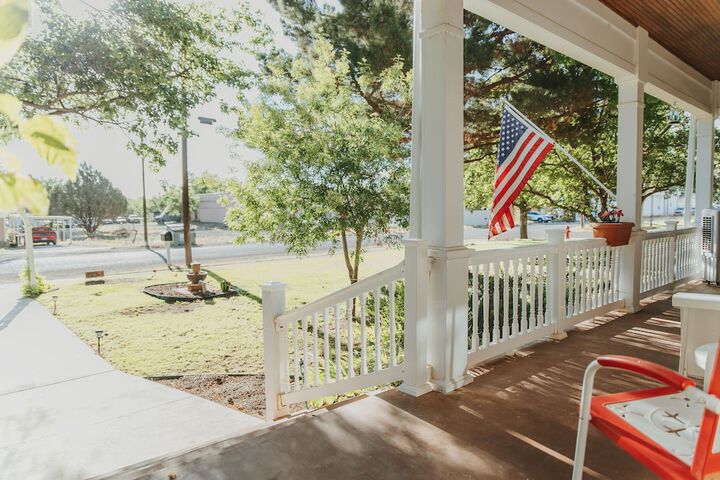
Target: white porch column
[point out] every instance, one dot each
(630, 149)
(704, 168)
(440, 125)
(690, 173)
(631, 104)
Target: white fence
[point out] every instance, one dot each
(669, 258)
(521, 295)
(343, 342)
(355, 338)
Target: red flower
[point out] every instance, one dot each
(605, 214)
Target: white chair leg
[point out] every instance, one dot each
(584, 419)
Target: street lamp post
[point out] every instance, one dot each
(186, 194)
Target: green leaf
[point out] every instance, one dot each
(52, 141)
(14, 20)
(22, 191)
(10, 107)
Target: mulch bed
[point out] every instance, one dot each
(245, 393)
(171, 292)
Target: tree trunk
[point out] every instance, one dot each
(523, 224)
(352, 274)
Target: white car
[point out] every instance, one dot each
(539, 217)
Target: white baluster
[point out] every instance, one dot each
(391, 308)
(378, 338)
(514, 324)
(523, 295)
(542, 284)
(506, 301)
(326, 343)
(316, 358)
(305, 352)
(363, 336)
(296, 357)
(351, 338)
(486, 305)
(475, 300)
(533, 315)
(496, 302)
(338, 345)
(571, 282)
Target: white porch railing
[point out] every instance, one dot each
(356, 338)
(523, 294)
(669, 258)
(349, 340)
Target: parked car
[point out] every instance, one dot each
(681, 211)
(539, 217)
(167, 218)
(44, 234)
(134, 218)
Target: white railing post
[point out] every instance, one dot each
(556, 283)
(416, 372)
(273, 302)
(671, 226)
(630, 270)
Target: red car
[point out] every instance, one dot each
(44, 235)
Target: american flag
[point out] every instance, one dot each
(520, 151)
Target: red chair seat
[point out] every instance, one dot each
(659, 427)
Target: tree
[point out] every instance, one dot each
(51, 140)
(90, 199)
(169, 201)
(207, 182)
(140, 65)
(332, 169)
(572, 102)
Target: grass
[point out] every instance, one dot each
(148, 337)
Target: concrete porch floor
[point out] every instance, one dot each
(517, 420)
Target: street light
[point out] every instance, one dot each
(186, 194)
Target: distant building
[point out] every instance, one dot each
(663, 205)
(209, 209)
(476, 218)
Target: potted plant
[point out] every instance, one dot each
(615, 232)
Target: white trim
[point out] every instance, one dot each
(380, 377)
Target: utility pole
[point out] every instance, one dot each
(186, 193)
(144, 200)
(186, 203)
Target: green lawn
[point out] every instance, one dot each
(149, 337)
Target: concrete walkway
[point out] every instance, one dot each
(67, 414)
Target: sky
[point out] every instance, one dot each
(105, 149)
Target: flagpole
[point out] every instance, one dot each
(560, 147)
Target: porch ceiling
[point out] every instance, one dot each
(686, 28)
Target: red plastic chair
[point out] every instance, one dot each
(672, 430)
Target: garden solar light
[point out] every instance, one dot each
(99, 334)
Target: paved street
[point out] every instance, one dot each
(61, 261)
(67, 414)
(71, 261)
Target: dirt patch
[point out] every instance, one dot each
(177, 291)
(245, 393)
(169, 307)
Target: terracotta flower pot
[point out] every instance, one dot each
(616, 234)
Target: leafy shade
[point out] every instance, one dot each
(90, 199)
(332, 169)
(51, 140)
(141, 65)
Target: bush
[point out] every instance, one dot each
(40, 287)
